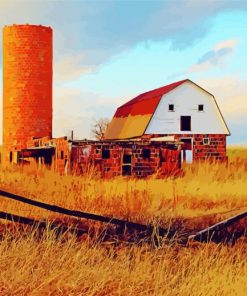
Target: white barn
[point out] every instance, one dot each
(182, 110)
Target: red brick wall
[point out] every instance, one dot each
(91, 155)
(159, 159)
(111, 159)
(27, 85)
(109, 167)
(144, 166)
(214, 151)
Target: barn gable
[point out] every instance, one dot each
(187, 101)
(149, 113)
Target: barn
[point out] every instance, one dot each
(27, 119)
(151, 134)
(182, 111)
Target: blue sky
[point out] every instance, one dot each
(106, 52)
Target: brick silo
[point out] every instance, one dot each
(27, 85)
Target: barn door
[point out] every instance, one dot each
(187, 150)
(126, 164)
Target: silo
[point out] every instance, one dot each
(27, 85)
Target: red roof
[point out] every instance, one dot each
(132, 118)
(147, 102)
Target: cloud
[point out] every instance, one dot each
(87, 34)
(185, 22)
(230, 43)
(71, 67)
(75, 109)
(94, 31)
(231, 96)
(215, 57)
(231, 92)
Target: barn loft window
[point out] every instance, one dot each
(171, 107)
(105, 153)
(185, 123)
(146, 153)
(201, 108)
(206, 141)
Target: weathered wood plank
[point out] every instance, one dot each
(148, 229)
(209, 233)
(40, 224)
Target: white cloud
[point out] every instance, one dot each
(231, 95)
(230, 43)
(71, 67)
(75, 109)
(103, 28)
(215, 57)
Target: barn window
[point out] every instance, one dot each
(126, 158)
(185, 123)
(127, 163)
(200, 107)
(171, 107)
(105, 153)
(206, 141)
(146, 153)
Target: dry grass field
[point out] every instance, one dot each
(66, 266)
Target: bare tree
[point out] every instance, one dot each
(99, 127)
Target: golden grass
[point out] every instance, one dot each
(54, 267)
(59, 266)
(205, 189)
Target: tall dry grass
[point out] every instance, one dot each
(51, 265)
(205, 189)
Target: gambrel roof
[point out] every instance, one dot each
(132, 118)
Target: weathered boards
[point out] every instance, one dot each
(212, 233)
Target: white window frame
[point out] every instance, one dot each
(206, 141)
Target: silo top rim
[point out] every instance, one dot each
(27, 25)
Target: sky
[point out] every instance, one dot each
(107, 52)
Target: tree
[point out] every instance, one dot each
(99, 127)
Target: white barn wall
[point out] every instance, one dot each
(186, 99)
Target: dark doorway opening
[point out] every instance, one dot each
(126, 165)
(185, 123)
(10, 156)
(105, 153)
(187, 150)
(47, 157)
